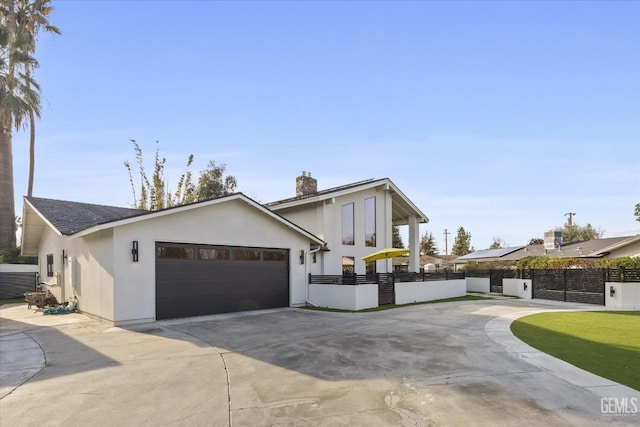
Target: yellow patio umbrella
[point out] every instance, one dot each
(385, 254)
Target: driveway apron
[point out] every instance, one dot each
(421, 365)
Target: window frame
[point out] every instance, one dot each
(370, 222)
(348, 266)
(49, 265)
(186, 249)
(253, 255)
(346, 239)
(281, 255)
(219, 254)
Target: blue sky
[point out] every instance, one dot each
(499, 117)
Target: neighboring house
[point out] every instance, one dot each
(355, 220)
(427, 262)
(554, 247)
(222, 255)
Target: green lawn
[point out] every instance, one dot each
(605, 343)
(390, 306)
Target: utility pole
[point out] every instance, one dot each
(446, 248)
(570, 215)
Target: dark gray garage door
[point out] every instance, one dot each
(195, 280)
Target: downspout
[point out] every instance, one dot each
(306, 272)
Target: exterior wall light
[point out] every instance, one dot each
(301, 256)
(612, 291)
(134, 250)
(525, 286)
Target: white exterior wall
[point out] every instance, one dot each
(232, 223)
(53, 244)
(19, 268)
(626, 296)
(410, 292)
(344, 297)
(87, 271)
(90, 274)
(516, 288)
(631, 250)
(325, 221)
(478, 284)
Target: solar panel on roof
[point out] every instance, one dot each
(491, 253)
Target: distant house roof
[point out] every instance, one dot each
(402, 206)
(595, 248)
(490, 253)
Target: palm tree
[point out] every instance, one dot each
(32, 17)
(19, 95)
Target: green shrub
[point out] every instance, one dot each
(12, 256)
(541, 262)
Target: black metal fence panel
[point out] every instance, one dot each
(386, 289)
(346, 279)
(496, 276)
(426, 276)
(14, 285)
(610, 274)
(623, 275)
(570, 285)
(372, 279)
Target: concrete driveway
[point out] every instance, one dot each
(443, 364)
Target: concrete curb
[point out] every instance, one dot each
(498, 330)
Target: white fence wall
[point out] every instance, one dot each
(344, 297)
(518, 288)
(409, 292)
(626, 295)
(478, 284)
(18, 268)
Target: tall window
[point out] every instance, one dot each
(370, 221)
(347, 225)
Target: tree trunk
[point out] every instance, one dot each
(7, 204)
(32, 151)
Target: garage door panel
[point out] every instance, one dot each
(186, 306)
(191, 287)
(220, 290)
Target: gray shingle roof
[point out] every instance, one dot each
(490, 253)
(577, 249)
(71, 217)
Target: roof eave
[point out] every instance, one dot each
(275, 206)
(608, 249)
(27, 227)
(158, 214)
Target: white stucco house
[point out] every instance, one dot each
(355, 220)
(222, 255)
